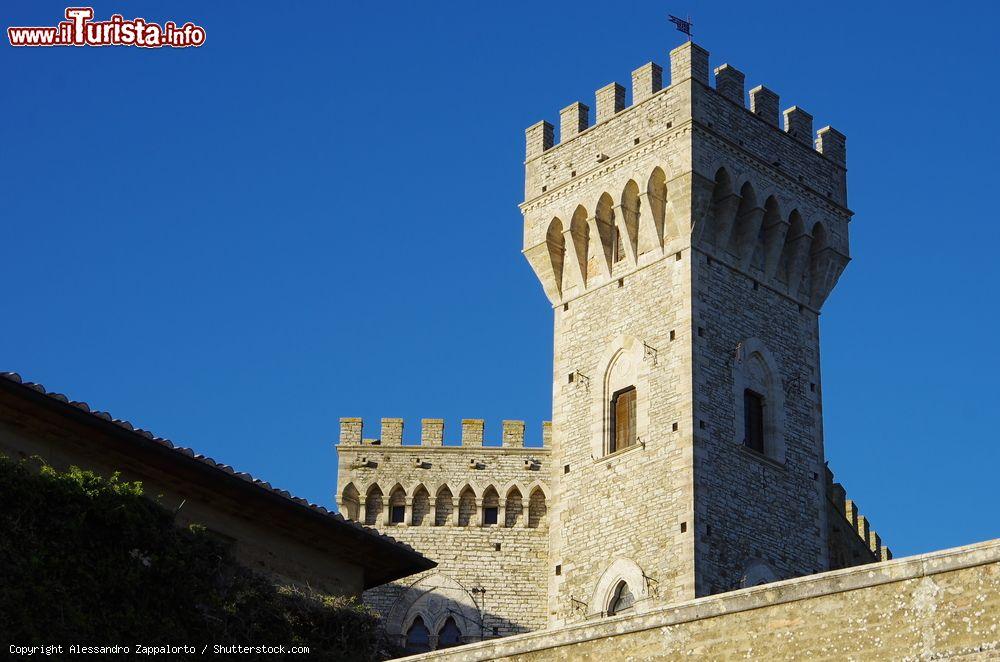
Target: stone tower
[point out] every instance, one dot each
(687, 244)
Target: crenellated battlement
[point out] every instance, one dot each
(688, 62)
(851, 534)
(432, 434)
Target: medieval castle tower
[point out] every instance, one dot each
(687, 244)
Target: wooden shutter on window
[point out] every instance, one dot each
(624, 413)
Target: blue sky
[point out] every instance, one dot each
(315, 215)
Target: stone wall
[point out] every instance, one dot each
(933, 606)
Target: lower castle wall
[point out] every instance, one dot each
(932, 606)
(512, 579)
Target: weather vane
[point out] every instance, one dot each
(682, 25)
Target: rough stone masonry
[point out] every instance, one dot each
(687, 244)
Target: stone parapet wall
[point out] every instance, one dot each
(932, 606)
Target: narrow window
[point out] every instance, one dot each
(621, 601)
(622, 419)
(397, 514)
(753, 420)
(490, 515)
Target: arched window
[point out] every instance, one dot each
(449, 635)
(512, 514)
(622, 419)
(373, 505)
(418, 637)
(443, 505)
(491, 506)
(466, 507)
(536, 508)
(622, 600)
(421, 505)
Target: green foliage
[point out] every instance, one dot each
(89, 560)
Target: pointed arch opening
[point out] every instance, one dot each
(746, 225)
(418, 637)
(466, 506)
(603, 250)
(796, 231)
(656, 193)
(556, 242)
(622, 601)
(421, 505)
(397, 505)
(449, 635)
(537, 509)
(350, 502)
(513, 513)
(491, 506)
(580, 232)
(628, 240)
(443, 506)
(373, 505)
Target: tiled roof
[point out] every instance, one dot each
(335, 518)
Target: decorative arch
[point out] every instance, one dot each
(556, 243)
(421, 506)
(656, 196)
(629, 229)
(755, 370)
(350, 502)
(773, 232)
(602, 251)
(580, 232)
(620, 571)
(374, 505)
(444, 500)
(744, 236)
(757, 572)
(723, 211)
(537, 508)
(514, 509)
(434, 598)
(467, 506)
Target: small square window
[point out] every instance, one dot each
(621, 282)
(566, 469)
(397, 514)
(496, 546)
(570, 378)
(673, 335)
(677, 256)
(635, 142)
(544, 189)
(701, 332)
(674, 427)
(565, 306)
(684, 527)
(490, 515)
(701, 424)
(572, 174)
(558, 569)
